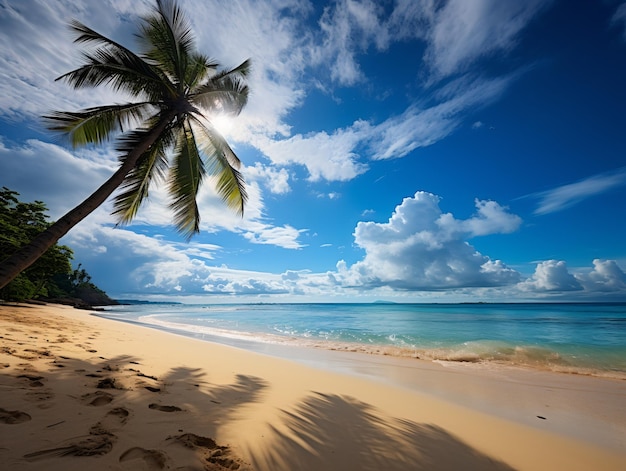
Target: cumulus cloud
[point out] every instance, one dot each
(490, 218)
(606, 276)
(568, 195)
(551, 275)
(421, 248)
(151, 266)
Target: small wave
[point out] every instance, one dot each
(480, 352)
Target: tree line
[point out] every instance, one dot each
(52, 275)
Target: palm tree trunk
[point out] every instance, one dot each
(28, 254)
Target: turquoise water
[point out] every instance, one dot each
(576, 338)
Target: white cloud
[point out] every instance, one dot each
(272, 34)
(464, 31)
(42, 50)
(276, 180)
(338, 156)
(269, 32)
(457, 33)
(411, 19)
(420, 248)
(551, 275)
(491, 218)
(283, 236)
(331, 157)
(150, 265)
(417, 127)
(606, 276)
(63, 179)
(568, 195)
(409, 254)
(349, 26)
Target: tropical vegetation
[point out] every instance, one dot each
(51, 276)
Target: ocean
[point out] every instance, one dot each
(573, 338)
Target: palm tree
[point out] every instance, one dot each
(178, 91)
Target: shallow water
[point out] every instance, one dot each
(575, 338)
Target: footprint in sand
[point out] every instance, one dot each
(214, 453)
(12, 417)
(152, 459)
(35, 380)
(109, 383)
(113, 420)
(42, 397)
(161, 408)
(97, 398)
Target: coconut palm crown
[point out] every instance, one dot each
(166, 135)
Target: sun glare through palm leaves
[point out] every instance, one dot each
(223, 124)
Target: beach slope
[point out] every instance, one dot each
(81, 392)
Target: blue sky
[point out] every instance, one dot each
(406, 150)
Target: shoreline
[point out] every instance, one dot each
(530, 357)
(329, 410)
(451, 381)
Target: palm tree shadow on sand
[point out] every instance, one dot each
(115, 400)
(332, 432)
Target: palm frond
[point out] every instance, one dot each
(198, 69)
(223, 164)
(226, 94)
(241, 71)
(172, 82)
(169, 41)
(95, 125)
(186, 175)
(152, 166)
(114, 64)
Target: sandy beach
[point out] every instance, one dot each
(81, 392)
